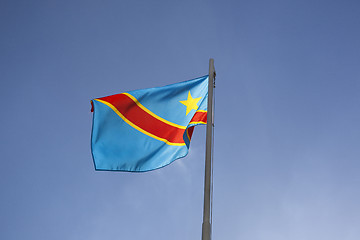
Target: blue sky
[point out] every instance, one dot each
(287, 118)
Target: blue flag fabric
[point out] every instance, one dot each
(147, 129)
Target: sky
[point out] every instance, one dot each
(287, 132)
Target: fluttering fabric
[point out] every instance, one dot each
(147, 129)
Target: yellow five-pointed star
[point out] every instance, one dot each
(190, 103)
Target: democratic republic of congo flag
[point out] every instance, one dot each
(147, 129)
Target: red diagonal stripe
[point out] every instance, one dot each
(199, 117)
(127, 107)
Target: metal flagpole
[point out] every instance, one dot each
(206, 225)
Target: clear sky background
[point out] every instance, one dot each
(287, 133)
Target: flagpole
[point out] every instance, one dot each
(207, 220)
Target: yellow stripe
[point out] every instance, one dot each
(197, 122)
(153, 114)
(201, 111)
(187, 133)
(136, 127)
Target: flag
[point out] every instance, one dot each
(147, 129)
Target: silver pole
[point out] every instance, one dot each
(206, 225)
